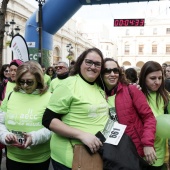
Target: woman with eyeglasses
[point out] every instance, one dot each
(77, 110)
(151, 80)
(128, 106)
(21, 114)
(51, 72)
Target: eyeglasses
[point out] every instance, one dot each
(6, 71)
(50, 70)
(109, 70)
(91, 62)
(27, 82)
(59, 67)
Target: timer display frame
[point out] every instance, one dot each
(129, 22)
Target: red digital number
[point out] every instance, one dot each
(116, 23)
(121, 22)
(137, 22)
(126, 22)
(131, 22)
(142, 21)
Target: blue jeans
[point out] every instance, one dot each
(58, 166)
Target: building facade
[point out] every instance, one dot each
(136, 45)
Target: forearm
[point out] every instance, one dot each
(3, 130)
(40, 136)
(61, 128)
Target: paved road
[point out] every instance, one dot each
(3, 167)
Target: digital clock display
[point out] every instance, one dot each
(129, 22)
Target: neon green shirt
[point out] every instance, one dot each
(47, 79)
(83, 106)
(159, 144)
(54, 84)
(9, 87)
(24, 113)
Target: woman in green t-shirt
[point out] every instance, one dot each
(20, 121)
(151, 80)
(77, 109)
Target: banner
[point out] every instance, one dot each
(19, 48)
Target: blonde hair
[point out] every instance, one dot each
(35, 69)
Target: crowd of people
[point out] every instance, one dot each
(46, 111)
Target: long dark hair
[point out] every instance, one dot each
(149, 67)
(3, 68)
(76, 69)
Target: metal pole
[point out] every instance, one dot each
(12, 35)
(40, 32)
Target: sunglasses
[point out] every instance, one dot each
(59, 67)
(109, 70)
(50, 70)
(27, 82)
(91, 62)
(6, 71)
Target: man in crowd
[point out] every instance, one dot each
(62, 72)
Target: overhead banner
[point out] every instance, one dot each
(19, 48)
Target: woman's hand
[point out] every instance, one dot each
(150, 154)
(28, 140)
(11, 139)
(91, 141)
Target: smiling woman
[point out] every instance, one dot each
(128, 106)
(78, 112)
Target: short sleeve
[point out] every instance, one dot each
(60, 100)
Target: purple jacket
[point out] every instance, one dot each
(133, 110)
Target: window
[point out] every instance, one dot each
(168, 31)
(141, 47)
(107, 47)
(126, 49)
(154, 49)
(168, 49)
(155, 31)
(127, 32)
(141, 31)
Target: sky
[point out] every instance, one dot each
(122, 10)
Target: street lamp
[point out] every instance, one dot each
(40, 4)
(12, 33)
(7, 28)
(69, 47)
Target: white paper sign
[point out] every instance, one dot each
(115, 133)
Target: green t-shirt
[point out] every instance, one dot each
(47, 79)
(159, 144)
(24, 113)
(83, 106)
(54, 84)
(9, 87)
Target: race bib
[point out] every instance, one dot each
(113, 132)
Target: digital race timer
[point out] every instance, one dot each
(129, 22)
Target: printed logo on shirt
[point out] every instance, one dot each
(23, 119)
(98, 110)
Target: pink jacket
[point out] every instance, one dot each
(133, 110)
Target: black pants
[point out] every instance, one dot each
(154, 167)
(58, 166)
(13, 165)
